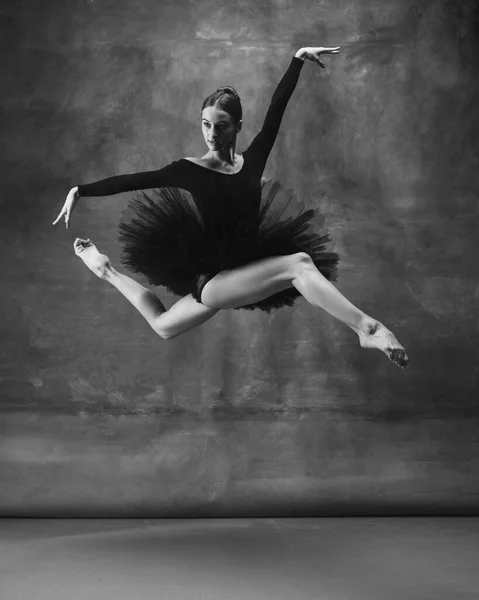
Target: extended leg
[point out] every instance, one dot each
(182, 316)
(256, 281)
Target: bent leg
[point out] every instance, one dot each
(182, 316)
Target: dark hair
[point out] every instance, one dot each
(227, 99)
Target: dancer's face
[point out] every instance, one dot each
(219, 128)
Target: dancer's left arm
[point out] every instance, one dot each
(263, 142)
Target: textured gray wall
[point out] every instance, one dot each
(249, 414)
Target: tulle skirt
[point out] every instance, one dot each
(167, 237)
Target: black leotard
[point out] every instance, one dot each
(204, 183)
(181, 241)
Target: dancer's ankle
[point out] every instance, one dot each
(108, 272)
(367, 326)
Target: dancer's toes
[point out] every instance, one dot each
(398, 356)
(375, 335)
(88, 252)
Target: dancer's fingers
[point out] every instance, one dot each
(62, 212)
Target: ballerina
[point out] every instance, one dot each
(212, 233)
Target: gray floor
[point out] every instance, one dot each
(240, 559)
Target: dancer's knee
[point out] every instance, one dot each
(184, 315)
(300, 262)
(163, 331)
(162, 327)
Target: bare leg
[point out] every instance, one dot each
(255, 281)
(182, 316)
(246, 285)
(372, 334)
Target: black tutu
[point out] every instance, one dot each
(167, 237)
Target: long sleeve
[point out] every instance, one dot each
(263, 142)
(167, 176)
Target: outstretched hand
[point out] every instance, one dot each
(68, 207)
(315, 53)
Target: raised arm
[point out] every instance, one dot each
(263, 143)
(167, 176)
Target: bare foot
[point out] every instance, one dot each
(96, 262)
(379, 337)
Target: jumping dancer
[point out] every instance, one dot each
(211, 232)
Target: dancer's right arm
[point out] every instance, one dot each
(146, 180)
(167, 176)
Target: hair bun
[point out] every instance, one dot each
(228, 89)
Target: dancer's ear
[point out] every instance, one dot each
(239, 126)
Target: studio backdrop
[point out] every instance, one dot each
(251, 414)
